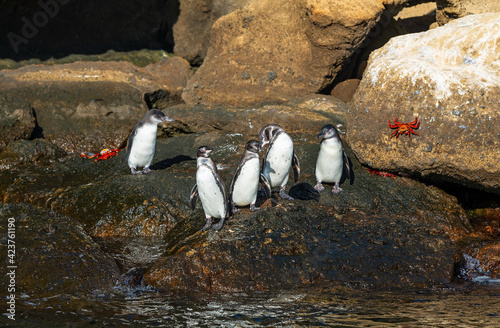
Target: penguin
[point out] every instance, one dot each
(141, 145)
(211, 190)
(279, 157)
(245, 182)
(332, 165)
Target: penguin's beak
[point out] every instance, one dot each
(168, 119)
(322, 133)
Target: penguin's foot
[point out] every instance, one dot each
(218, 226)
(207, 225)
(336, 189)
(134, 171)
(146, 170)
(319, 187)
(234, 209)
(284, 195)
(253, 208)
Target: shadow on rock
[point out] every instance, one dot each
(166, 163)
(304, 191)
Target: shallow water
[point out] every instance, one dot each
(460, 306)
(132, 305)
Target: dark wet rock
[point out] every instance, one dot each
(456, 102)
(480, 262)
(192, 29)
(270, 51)
(489, 258)
(24, 151)
(383, 232)
(53, 254)
(17, 119)
(89, 106)
(336, 241)
(109, 201)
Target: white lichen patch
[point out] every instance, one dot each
(461, 56)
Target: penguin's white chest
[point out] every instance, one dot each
(279, 160)
(143, 146)
(330, 161)
(211, 192)
(246, 184)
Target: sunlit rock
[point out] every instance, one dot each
(448, 78)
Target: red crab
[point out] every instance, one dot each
(104, 154)
(404, 128)
(381, 173)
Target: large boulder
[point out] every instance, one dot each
(270, 51)
(448, 10)
(192, 30)
(88, 106)
(448, 78)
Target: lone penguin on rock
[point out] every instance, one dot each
(210, 189)
(245, 183)
(279, 157)
(141, 145)
(333, 165)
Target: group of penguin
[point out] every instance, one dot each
(332, 166)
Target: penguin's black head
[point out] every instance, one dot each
(328, 131)
(203, 151)
(267, 134)
(253, 146)
(156, 116)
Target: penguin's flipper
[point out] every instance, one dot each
(348, 167)
(193, 198)
(131, 137)
(296, 168)
(265, 185)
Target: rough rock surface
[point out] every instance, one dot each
(448, 78)
(17, 120)
(480, 262)
(448, 10)
(387, 232)
(270, 51)
(88, 106)
(489, 258)
(54, 254)
(111, 202)
(192, 29)
(24, 151)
